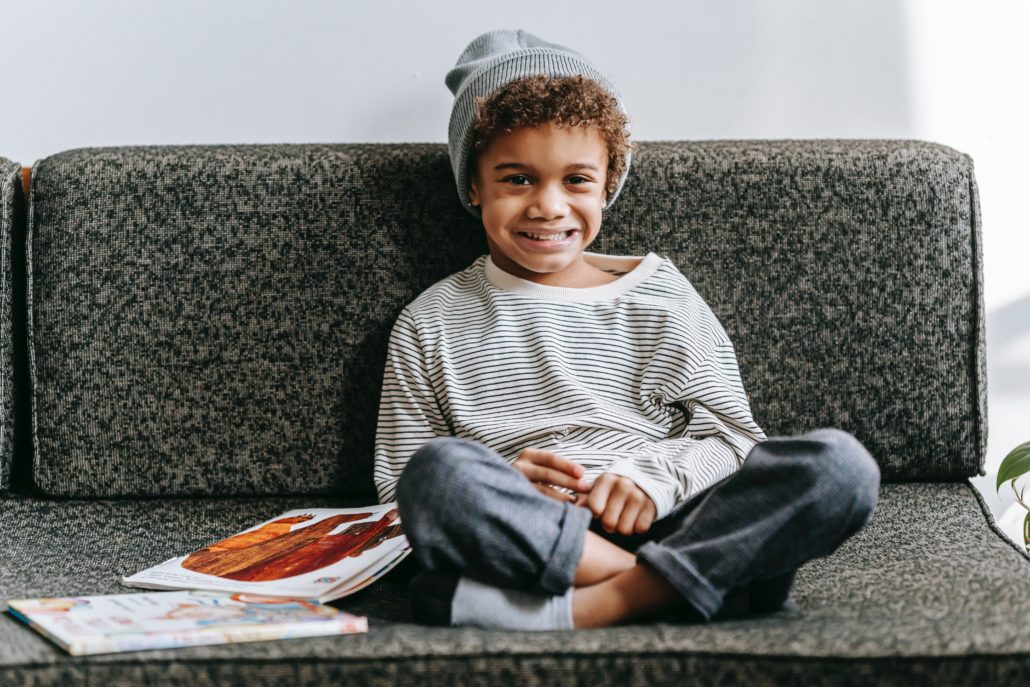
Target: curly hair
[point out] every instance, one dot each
(563, 101)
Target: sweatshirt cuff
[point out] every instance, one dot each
(663, 495)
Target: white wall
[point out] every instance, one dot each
(120, 72)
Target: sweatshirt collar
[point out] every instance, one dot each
(636, 269)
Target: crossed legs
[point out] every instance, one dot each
(611, 588)
(467, 511)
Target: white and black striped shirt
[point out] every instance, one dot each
(636, 377)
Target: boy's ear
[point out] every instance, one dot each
(473, 193)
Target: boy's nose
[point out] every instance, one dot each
(548, 203)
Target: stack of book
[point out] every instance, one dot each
(271, 581)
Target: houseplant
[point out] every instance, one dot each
(1015, 465)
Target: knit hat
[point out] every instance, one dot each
(494, 60)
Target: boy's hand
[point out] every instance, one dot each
(620, 503)
(547, 470)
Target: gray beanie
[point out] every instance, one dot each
(494, 60)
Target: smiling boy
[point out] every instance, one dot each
(540, 213)
(566, 433)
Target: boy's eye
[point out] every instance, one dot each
(581, 179)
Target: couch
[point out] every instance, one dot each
(193, 339)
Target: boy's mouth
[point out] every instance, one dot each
(545, 237)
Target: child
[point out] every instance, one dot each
(566, 433)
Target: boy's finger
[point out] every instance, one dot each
(644, 521)
(571, 482)
(567, 466)
(597, 500)
(537, 473)
(629, 517)
(613, 511)
(540, 456)
(552, 492)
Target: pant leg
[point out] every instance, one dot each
(794, 499)
(465, 509)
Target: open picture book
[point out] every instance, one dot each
(313, 553)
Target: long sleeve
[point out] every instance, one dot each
(409, 414)
(718, 434)
(636, 377)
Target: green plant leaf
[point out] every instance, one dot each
(1016, 463)
(1026, 532)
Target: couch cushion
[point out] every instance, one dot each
(213, 319)
(928, 592)
(848, 274)
(10, 198)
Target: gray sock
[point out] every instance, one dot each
(481, 605)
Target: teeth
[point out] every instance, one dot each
(547, 237)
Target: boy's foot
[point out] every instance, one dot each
(755, 598)
(758, 597)
(773, 594)
(441, 598)
(431, 593)
(435, 600)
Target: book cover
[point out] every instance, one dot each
(318, 553)
(161, 620)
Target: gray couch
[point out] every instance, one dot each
(193, 340)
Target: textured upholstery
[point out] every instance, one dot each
(213, 319)
(10, 206)
(928, 593)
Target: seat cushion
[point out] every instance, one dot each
(929, 592)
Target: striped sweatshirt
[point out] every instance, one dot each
(636, 377)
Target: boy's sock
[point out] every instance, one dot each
(482, 605)
(440, 598)
(448, 599)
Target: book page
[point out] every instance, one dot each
(300, 553)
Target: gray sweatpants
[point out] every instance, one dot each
(467, 510)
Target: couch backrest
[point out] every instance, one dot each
(213, 319)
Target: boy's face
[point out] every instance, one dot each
(541, 191)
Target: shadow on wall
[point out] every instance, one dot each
(1008, 371)
(1008, 387)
